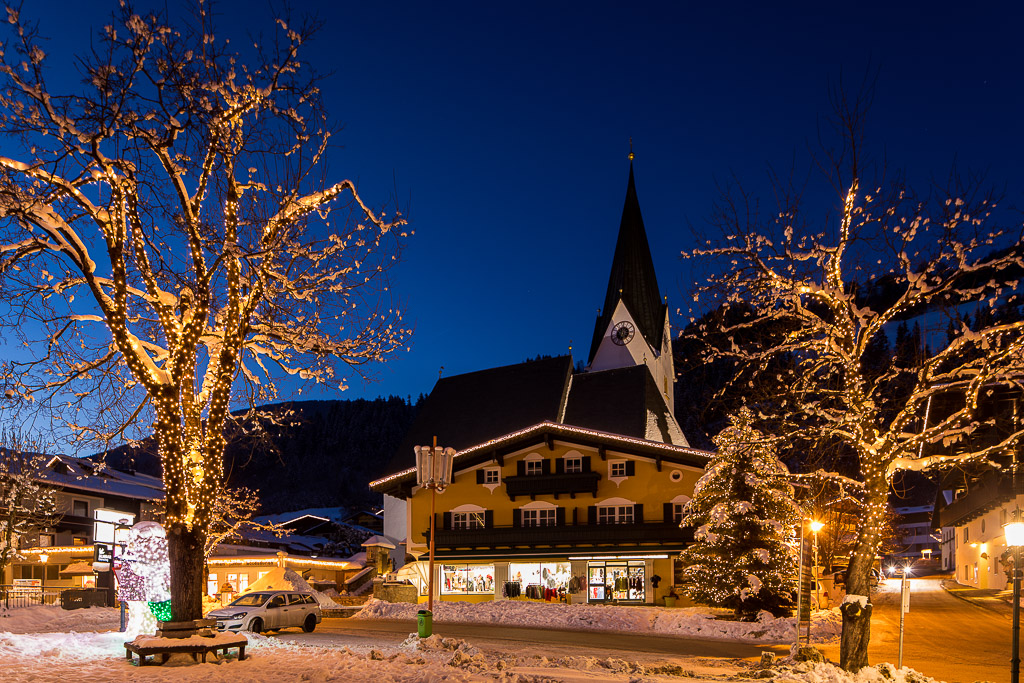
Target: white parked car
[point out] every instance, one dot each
(269, 611)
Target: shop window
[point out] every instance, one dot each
(211, 584)
(79, 541)
(615, 514)
(619, 581)
(539, 517)
(468, 520)
(534, 467)
(80, 508)
(574, 464)
(467, 578)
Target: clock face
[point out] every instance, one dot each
(622, 333)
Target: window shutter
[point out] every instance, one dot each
(479, 476)
(586, 463)
(446, 522)
(638, 513)
(560, 466)
(521, 468)
(666, 515)
(630, 468)
(560, 516)
(489, 519)
(545, 466)
(517, 517)
(592, 514)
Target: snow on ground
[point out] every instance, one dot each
(690, 622)
(50, 644)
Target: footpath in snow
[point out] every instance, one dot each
(688, 622)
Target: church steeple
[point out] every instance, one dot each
(632, 279)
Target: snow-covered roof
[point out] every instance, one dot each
(84, 475)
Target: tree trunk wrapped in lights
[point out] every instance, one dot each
(169, 247)
(814, 303)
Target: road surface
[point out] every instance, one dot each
(944, 637)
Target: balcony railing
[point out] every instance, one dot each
(568, 483)
(574, 535)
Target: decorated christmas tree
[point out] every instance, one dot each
(745, 516)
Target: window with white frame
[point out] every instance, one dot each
(468, 520)
(615, 514)
(539, 517)
(491, 475)
(534, 467)
(619, 469)
(574, 464)
(677, 512)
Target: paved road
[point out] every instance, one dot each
(944, 637)
(548, 642)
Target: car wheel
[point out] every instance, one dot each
(309, 624)
(256, 625)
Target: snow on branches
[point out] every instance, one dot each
(168, 246)
(744, 514)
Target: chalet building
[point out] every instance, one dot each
(82, 488)
(565, 485)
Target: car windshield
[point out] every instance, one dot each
(251, 600)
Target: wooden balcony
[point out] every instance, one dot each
(567, 483)
(571, 536)
(987, 493)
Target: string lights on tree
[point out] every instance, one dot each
(169, 236)
(801, 308)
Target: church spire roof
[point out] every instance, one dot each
(632, 277)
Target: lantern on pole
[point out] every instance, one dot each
(1014, 531)
(433, 471)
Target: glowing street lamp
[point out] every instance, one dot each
(816, 526)
(43, 557)
(1014, 532)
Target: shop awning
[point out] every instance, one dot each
(78, 569)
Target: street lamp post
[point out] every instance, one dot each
(43, 557)
(816, 526)
(1014, 532)
(433, 471)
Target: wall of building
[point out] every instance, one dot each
(646, 485)
(981, 548)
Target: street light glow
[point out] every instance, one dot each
(816, 526)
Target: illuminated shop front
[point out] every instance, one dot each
(538, 580)
(466, 579)
(616, 581)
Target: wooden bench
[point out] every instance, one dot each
(165, 651)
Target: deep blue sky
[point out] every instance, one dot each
(506, 127)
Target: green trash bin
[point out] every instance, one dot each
(424, 623)
(670, 601)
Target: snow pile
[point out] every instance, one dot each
(281, 579)
(805, 672)
(53, 619)
(701, 622)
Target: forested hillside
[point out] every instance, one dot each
(323, 456)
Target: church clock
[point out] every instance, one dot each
(623, 333)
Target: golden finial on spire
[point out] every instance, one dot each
(631, 148)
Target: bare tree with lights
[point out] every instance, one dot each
(169, 247)
(26, 504)
(832, 288)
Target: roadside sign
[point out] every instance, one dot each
(21, 585)
(102, 552)
(111, 526)
(905, 597)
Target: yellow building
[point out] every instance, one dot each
(567, 484)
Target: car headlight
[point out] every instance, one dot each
(237, 616)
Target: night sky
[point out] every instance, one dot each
(505, 128)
